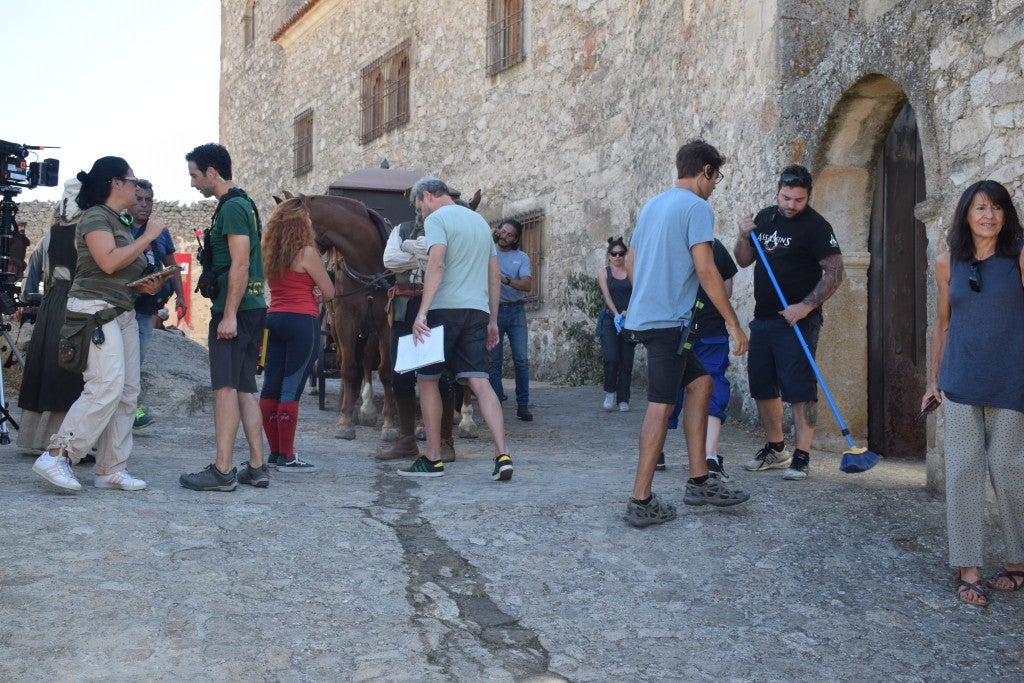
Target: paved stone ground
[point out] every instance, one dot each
(352, 573)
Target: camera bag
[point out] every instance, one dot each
(208, 284)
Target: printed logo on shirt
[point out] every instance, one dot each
(773, 241)
(832, 242)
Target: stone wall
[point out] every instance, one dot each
(586, 127)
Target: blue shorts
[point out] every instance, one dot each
(465, 343)
(667, 371)
(776, 363)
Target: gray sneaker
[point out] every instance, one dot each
(714, 491)
(798, 469)
(768, 459)
(655, 512)
(209, 479)
(253, 476)
(717, 465)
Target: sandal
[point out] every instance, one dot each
(1015, 577)
(965, 588)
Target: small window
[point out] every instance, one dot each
(303, 125)
(530, 244)
(505, 23)
(249, 23)
(384, 104)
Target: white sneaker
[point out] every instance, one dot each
(623, 407)
(57, 471)
(609, 401)
(119, 480)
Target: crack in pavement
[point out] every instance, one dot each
(443, 587)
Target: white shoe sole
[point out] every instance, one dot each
(72, 485)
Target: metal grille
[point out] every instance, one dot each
(303, 147)
(384, 103)
(530, 242)
(504, 35)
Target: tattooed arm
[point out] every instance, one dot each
(832, 274)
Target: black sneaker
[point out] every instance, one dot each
(253, 476)
(524, 414)
(660, 467)
(209, 479)
(655, 512)
(273, 458)
(716, 465)
(423, 468)
(294, 465)
(502, 468)
(798, 469)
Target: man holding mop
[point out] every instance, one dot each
(802, 251)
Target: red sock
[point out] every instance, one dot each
(287, 418)
(269, 408)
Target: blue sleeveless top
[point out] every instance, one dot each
(620, 290)
(983, 364)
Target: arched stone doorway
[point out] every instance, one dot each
(847, 163)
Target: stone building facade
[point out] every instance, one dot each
(581, 127)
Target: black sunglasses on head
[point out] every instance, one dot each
(975, 279)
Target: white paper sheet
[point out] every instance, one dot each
(429, 351)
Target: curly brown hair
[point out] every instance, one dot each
(287, 232)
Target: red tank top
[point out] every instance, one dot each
(292, 293)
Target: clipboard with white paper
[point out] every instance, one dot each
(412, 355)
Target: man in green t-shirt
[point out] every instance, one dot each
(236, 323)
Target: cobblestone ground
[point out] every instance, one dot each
(352, 573)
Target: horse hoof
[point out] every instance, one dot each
(348, 433)
(469, 432)
(389, 434)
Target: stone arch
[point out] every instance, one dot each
(845, 165)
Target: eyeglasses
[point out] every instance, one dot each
(617, 254)
(719, 177)
(130, 179)
(975, 279)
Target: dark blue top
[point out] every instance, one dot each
(619, 290)
(983, 364)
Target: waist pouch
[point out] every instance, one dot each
(79, 332)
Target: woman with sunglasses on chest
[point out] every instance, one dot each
(108, 259)
(616, 348)
(977, 365)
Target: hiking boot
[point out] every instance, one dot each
(623, 407)
(768, 459)
(273, 458)
(502, 468)
(209, 479)
(253, 476)
(655, 512)
(447, 450)
(524, 414)
(609, 401)
(423, 468)
(714, 491)
(660, 466)
(798, 469)
(56, 470)
(295, 464)
(119, 480)
(142, 419)
(716, 465)
(402, 448)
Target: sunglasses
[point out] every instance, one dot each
(975, 279)
(616, 253)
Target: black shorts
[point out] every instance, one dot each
(777, 364)
(465, 343)
(667, 371)
(233, 361)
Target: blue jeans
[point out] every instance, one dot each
(145, 322)
(512, 322)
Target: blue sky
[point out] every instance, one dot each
(112, 77)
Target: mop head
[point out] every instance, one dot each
(858, 460)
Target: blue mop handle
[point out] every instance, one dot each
(800, 336)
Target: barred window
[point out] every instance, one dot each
(303, 146)
(384, 104)
(530, 244)
(505, 21)
(249, 23)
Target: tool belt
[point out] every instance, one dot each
(398, 298)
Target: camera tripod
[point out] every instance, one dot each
(5, 415)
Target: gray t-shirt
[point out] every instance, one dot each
(90, 281)
(468, 249)
(513, 264)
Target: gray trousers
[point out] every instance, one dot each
(979, 442)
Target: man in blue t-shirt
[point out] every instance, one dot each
(159, 253)
(516, 280)
(670, 256)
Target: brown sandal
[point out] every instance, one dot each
(963, 588)
(1015, 577)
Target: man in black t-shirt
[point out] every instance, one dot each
(802, 251)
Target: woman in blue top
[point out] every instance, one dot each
(616, 348)
(977, 364)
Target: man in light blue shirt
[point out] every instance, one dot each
(670, 257)
(516, 280)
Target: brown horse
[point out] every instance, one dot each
(359, 321)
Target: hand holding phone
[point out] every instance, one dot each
(930, 406)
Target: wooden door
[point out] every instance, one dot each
(897, 297)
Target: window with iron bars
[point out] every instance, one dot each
(384, 103)
(303, 146)
(530, 242)
(505, 21)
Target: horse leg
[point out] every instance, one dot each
(350, 378)
(368, 410)
(388, 430)
(467, 427)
